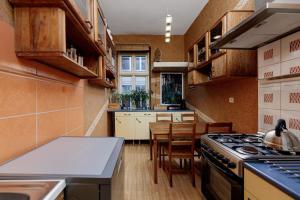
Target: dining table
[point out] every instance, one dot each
(159, 131)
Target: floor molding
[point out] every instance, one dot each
(97, 119)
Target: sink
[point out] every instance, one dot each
(13, 196)
(30, 189)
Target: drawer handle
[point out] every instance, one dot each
(138, 120)
(118, 121)
(145, 114)
(89, 23)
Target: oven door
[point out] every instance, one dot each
(218, 182)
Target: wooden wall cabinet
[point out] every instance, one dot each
(219, 64)
(46, 29)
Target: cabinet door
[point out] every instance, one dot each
(142, 127)
(191, 78)
(124, 126)
(84, 9)
(219, 67)
(290, 47)
(269, 54)
(249, 196)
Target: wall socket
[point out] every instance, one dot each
(231, 99)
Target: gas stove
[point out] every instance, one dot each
(231, 150)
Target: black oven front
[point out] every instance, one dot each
(217, 181)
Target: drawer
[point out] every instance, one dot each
(269, 96)
(290, 96)
(269, 71)
(261, 189)
(290, 47)
(290, 67)
(292, 119)
(145, 114)
(267, 119)
(122, 114)
(269, 54)
(249, 196)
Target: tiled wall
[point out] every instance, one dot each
(279, 98)
(38, 103)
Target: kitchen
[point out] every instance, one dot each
(122, 99)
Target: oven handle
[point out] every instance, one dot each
(224, 171)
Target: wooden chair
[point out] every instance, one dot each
(181, 145)
(190, 117)
(164, 117)
(219, 127)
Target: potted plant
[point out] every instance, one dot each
(114, 100)
(144, 97)
(125, 98)
(136, 98)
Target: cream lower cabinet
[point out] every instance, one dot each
(125, 125)
(255, 188)
(142, 127)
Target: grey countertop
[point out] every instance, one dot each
(93, 157)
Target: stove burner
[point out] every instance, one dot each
(252, 139)
(247, 150)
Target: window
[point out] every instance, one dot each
(171, 90)
(140, 83)
(126, 63)
(133, 72)
(126, 84)
(140, 63)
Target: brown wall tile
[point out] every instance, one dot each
(50, 126)
(17, 95)
(50, 96)
(74, 119)
(17, 136)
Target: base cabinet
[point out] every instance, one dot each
(125, 127)
(257, 188)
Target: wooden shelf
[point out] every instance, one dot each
(101, 83)
(62, 62)
(220, 80)
(287, 76)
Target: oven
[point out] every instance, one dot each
(217, 181)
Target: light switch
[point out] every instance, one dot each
(231, 99)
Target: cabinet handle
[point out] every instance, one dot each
(118, 121)
(89, 23)
(138, 120)
(145, 114)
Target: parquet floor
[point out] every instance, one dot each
(139, 183)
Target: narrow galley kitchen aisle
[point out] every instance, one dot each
(139, 179)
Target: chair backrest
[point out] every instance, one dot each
(219, 127)
(164, 117)
(182, 135)
(189, 117)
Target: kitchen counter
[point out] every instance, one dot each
(91, 166)
(134, 110)
(275, 177)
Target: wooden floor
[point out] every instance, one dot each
(139, 184)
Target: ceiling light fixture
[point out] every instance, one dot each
(168, 19)
(168, 28)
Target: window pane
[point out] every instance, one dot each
(140, 83)
(126, 63)
(126, 86)
(140, 63)
(171, 89)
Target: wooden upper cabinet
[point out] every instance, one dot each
(47, 30)
(100, 28)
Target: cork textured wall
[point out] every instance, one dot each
(213, 100)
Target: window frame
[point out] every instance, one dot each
(182, 86)
(130, 67)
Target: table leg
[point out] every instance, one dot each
(155, 160)
(150, 143)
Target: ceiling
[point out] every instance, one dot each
(148, 16)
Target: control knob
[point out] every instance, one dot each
(231, 165)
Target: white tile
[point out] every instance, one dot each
(290, 96)
(290, 67)
(268, 118)
(269, 71)
(269, 96)
(269, 54)
(292, 119)
(290, 47)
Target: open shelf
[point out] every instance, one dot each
(216, 33)
(102, 83)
